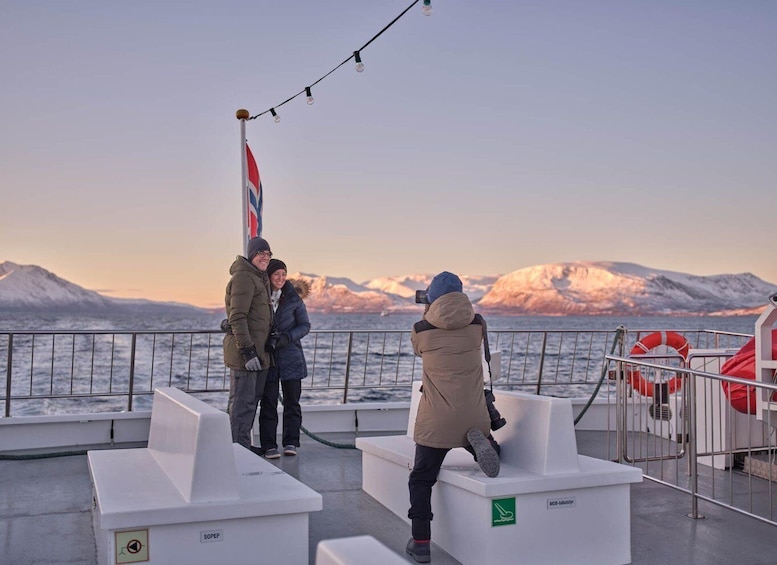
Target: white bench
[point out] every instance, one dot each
(548, 504)
(192, 496)
(356, 550)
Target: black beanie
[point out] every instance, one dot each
(274, 265)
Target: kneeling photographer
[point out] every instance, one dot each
(453, 409)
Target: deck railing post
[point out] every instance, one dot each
(8, 377)
(620, 413)
(131, 373)
(542, 361)
(347, 367)
(690, 381)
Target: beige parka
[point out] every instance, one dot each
(452, 401)
(249, 312)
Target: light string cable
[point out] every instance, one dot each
(355, 55)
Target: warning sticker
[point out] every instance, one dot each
(132, 547)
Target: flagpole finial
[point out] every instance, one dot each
(242, 114)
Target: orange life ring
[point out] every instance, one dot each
(670, 339)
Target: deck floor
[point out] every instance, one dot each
(45, 513)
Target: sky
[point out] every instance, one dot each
(486, 138)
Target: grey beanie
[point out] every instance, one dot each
(255, 245)
(443, 283)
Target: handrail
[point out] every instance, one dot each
(758, 435)
(130, 363)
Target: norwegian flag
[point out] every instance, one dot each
(254, 196)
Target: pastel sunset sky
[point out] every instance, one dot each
(488, 137)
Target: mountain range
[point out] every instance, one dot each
(576, 288)
(33, 288)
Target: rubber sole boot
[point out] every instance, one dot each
(421, 552)
(485, 454)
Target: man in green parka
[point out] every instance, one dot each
(249, 313)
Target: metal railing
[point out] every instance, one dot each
(694, 440)
(57, 372)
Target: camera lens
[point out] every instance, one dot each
(496, 418)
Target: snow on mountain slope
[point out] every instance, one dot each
(29, 287)
(579, 288)
(621, 288)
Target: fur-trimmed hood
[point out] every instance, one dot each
(301, 286)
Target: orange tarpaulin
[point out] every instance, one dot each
(742, 365)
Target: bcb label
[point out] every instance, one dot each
(554, 503)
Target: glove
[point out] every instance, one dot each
(251, 359)
(253, 364)
(225, 327)
(283, 341)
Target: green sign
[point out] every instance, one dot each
(503, 511)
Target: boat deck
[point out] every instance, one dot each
(45, 513)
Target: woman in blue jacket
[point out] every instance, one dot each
(290, 325)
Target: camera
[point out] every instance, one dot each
(272, 341)
(496, 418)
(421, 297)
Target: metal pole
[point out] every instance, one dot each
(542, 361)
(243, 115)
(132, 373)
(8, 377)
(348, 367)
(690, 380)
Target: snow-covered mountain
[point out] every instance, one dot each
(579, 288)
(601, 288)
(29, 287)
(474, 286)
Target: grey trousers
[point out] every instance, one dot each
(245, 391)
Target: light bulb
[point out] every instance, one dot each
(309, 95)
(275, 116)
(359, 65)
(426, 9)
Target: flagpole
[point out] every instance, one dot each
(243, 115)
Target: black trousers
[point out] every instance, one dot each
(426, 468)
(268, 411)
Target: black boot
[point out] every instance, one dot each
(420, 551)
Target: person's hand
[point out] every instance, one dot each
(254, 364)
(283, 341)
(225, 327)
(251, 358)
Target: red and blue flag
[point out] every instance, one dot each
(254, 196)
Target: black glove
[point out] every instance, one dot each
(225, 327)
(251, 358)
(283, 341)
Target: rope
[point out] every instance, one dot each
(319, 439)
(619, 333)
(5, 457)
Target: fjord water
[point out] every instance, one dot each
(91, 364)
(201, 320)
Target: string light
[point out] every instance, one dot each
(356, 56)
(359, 64)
